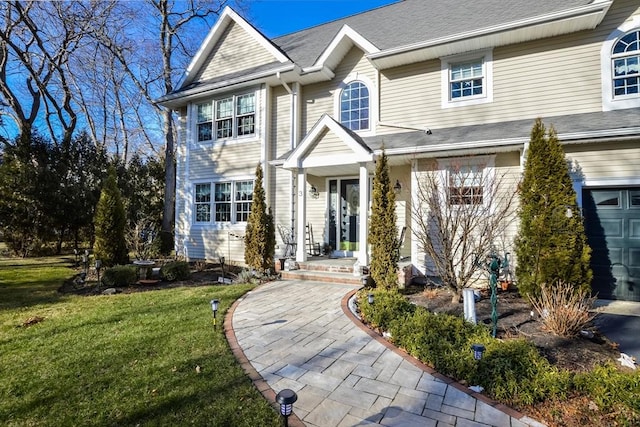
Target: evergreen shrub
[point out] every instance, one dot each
(388, 305)
(120, 276)
(175, 270)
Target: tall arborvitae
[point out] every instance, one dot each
(551, 245)
(110, 223)
(259, 239)
(383, 235)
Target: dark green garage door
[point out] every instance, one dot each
(612, 221)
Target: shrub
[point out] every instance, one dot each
(175, 270)
(246, 276)
(120, 275)
(260, 234)
(110, 221)
(388, 305)
(613, 390)
(565, 310)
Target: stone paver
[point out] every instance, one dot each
(296, 334)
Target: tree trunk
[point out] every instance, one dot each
(170, 184)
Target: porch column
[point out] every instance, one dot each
(363, 253)
(301, 252)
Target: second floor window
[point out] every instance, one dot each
(626, 65)
(466, 80)
(354, 106)
(229, 117)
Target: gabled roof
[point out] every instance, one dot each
(227, 17)
(414, 24)
(301, 155)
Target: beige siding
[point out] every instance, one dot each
(403, 205)
(329, 144)
(235, 51)
(206, 161)
(212, 244)
(606, 160)
(540, 78)
(316, 209)
(280, 135)
(182, 219)
(319, 98)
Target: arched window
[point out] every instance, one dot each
(354, 106)
(626, 65)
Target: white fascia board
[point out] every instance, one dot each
(226, 17)
(296, 157)
(572, 20)
(178, 99)
(345, 35)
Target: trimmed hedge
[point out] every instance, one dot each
(120, 275)
(175, 270)
(511, 371)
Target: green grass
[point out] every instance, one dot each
(126, 359)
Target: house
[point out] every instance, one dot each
(431, 82)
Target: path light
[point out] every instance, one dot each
(214, 308)
(286, 399)
(222, 266)
(478, 349)
(370, 298)
(98, 267)
(365, 280)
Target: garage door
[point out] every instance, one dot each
(612, 222)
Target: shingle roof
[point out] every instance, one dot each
(411, 21)
(581, 125)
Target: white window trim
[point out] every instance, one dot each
(193, 120)
(373, 101)
(212, 223)
(487, 70)
(488, 173)
(609, 102)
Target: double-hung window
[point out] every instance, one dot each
(467, 79)
(626, 65)
(228, 117)
(229, 203)
(465, 185)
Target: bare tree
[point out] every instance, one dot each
(37, 40)
(463, 211)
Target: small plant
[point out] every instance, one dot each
(200, 265)
(564, 310)
(246, 276)
(120, 276)
(175, 270)
(142, 240)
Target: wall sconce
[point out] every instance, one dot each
(313, 192)
(398, 187)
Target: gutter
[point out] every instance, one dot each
(601, 6)
(229, 84)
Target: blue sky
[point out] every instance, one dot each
(278, 17)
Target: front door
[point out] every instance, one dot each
(344, 216)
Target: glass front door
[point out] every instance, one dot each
(349, 216)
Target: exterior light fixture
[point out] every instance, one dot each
(222, 266)
(98, 267)
(398, 187)
(478, 349)
(286, 398)
(313, 192)
(214, 308)
(370, 298)
(365, 280)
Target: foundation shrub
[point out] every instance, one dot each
(120, 276)
(388, 305)
(175, 270)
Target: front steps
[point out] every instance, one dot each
(327, 270)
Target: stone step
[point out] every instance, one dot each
(322, 276)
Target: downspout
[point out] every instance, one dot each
(294, 112)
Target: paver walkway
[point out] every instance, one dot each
(297, 336)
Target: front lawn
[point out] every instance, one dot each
(148, 358)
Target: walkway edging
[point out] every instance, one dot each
(260, 384)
